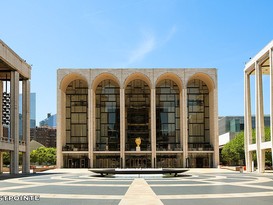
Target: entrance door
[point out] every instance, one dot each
(77, 163)
(138, 162)
(199, 162)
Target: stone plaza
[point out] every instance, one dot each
(197, 186)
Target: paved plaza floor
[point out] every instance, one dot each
(197, 186)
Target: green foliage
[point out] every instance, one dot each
(267, 133)
(6, 158)
(43, 156)
(233, 152)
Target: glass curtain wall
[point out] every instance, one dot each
(168, 116)
(76, 116)
(137, 98)
(107, 116)
(198, 116)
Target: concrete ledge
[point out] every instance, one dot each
(138, 171)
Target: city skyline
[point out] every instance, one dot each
(137, 34)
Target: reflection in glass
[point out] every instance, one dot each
(76, 116)
(168, 118)
(198, 115)
(107, 116)
(137, 106)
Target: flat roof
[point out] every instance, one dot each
(262, 55)
(10, 61)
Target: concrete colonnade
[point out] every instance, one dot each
(260, 65)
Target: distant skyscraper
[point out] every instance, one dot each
(32, 113)
(32, 109)
(50, 121)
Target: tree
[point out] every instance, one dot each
(43, 156)
(233, 152)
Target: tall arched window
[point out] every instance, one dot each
(76, 116)
(167, 116)
(137, 98)
(107, 116)
(198, 115)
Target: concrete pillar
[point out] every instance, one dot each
(181, 127)
(248, 123)
(26, 124)
(122, 127)
(1, 162)
(184, 127)
(61, 115)
(91, 127)
(259, 116)
(271, 97)
(14, 118)
(153, 126)
(214, 132)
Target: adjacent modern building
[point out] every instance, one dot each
(44, 135)
(134, 118)
(14, 72)
(256, 72)
(229, 126)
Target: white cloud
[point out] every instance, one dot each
(170, 34)
(146, 46)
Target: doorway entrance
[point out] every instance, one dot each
(139, 161)
(76, 162)
(199, 162)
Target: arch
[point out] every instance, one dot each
(107, 115)
(170, 76)
(205, 78)
(104, 76)
(137, 76)
(69, 78)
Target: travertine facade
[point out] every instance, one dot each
(14, 69)
(255, 70)
(101, 111)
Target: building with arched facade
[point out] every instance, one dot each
(101, 113)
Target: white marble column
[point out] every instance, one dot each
(271, 97)
(122, 127)
(213, 104)
(181, 126)
(14, 118)
(61, 123)
(184, 127)
(26, 124)
(259, 116)
(248, 123)
(91, 127)
(153, 126)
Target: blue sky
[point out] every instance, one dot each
(54, 34)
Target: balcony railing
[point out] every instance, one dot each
(75, 147)
(168, 147)
(107, 147)
(200, 147)
(7, 140)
